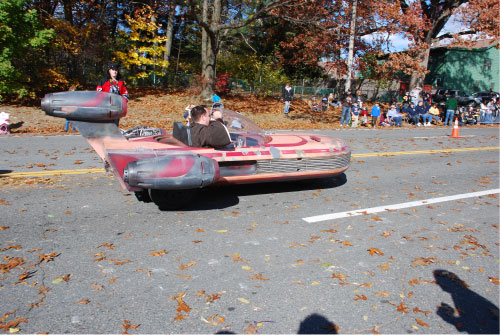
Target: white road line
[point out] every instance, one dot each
(445, 136)
(373, 210)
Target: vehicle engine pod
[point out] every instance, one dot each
(172, 172)
(90, 106)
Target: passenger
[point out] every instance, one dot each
(205, 132)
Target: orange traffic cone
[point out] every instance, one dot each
(454, 133)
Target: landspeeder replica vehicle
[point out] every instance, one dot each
(166, 170)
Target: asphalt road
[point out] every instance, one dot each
(80, 255)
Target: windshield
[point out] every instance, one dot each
(243, 131)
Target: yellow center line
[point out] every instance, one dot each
(51, 173)
(371, 154)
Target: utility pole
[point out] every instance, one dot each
(352, 35)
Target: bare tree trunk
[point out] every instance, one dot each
(170, 33)
(416, 78)
(210, 48)
(352, 36)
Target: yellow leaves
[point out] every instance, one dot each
(384, 267)
(373, 251)
(61, 279)
(402, 308)
(181, 307)
(83, 302)
(418, 310)
(246, 268)
(384, 293)
(423, 261)
(214, 320)
(360, 297)
(126, 326)
(4, 227)
(107, 245)
(159, 253)
(46, 257)
(421, 323)
(243, 300)
(186, 266)
(376, 218)
(299, 262)
(97, 287)
(12, 262)
(12, 324)
(494, 280)
(347, 243)
(259, 277)
(251, 329)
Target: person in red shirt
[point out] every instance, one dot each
(112, 84)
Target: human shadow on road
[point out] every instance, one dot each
(313, 324)
(476, 315)
(219, 197)
(317, 324)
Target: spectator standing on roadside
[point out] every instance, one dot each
(287, 95)
(112, 84)
(415, 94)
(375, 113)
(451, 106)
(355, 114)
(346, 108)
(359, 99)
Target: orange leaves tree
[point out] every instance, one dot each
(423, 22)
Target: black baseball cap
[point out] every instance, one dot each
(113, 66)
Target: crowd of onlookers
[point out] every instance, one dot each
(414, 108)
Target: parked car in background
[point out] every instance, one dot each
(483, 96)
(463, 98)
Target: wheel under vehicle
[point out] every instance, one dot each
(171, 199)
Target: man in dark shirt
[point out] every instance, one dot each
(346, 108)
(207, 133)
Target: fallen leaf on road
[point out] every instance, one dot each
(97, 287)
(494, 280)
(159, 253)
(186, 266)
(251, 329)
(375, 251)
(421, 323)
(46, 257)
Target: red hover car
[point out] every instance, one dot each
(164, 169)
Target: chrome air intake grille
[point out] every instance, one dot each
(303, 164)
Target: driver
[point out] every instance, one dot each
(206, 132)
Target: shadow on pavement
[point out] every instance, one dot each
(476, 315)
(4, 172)
(317, 324)
(313, 324)
(219, 197)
